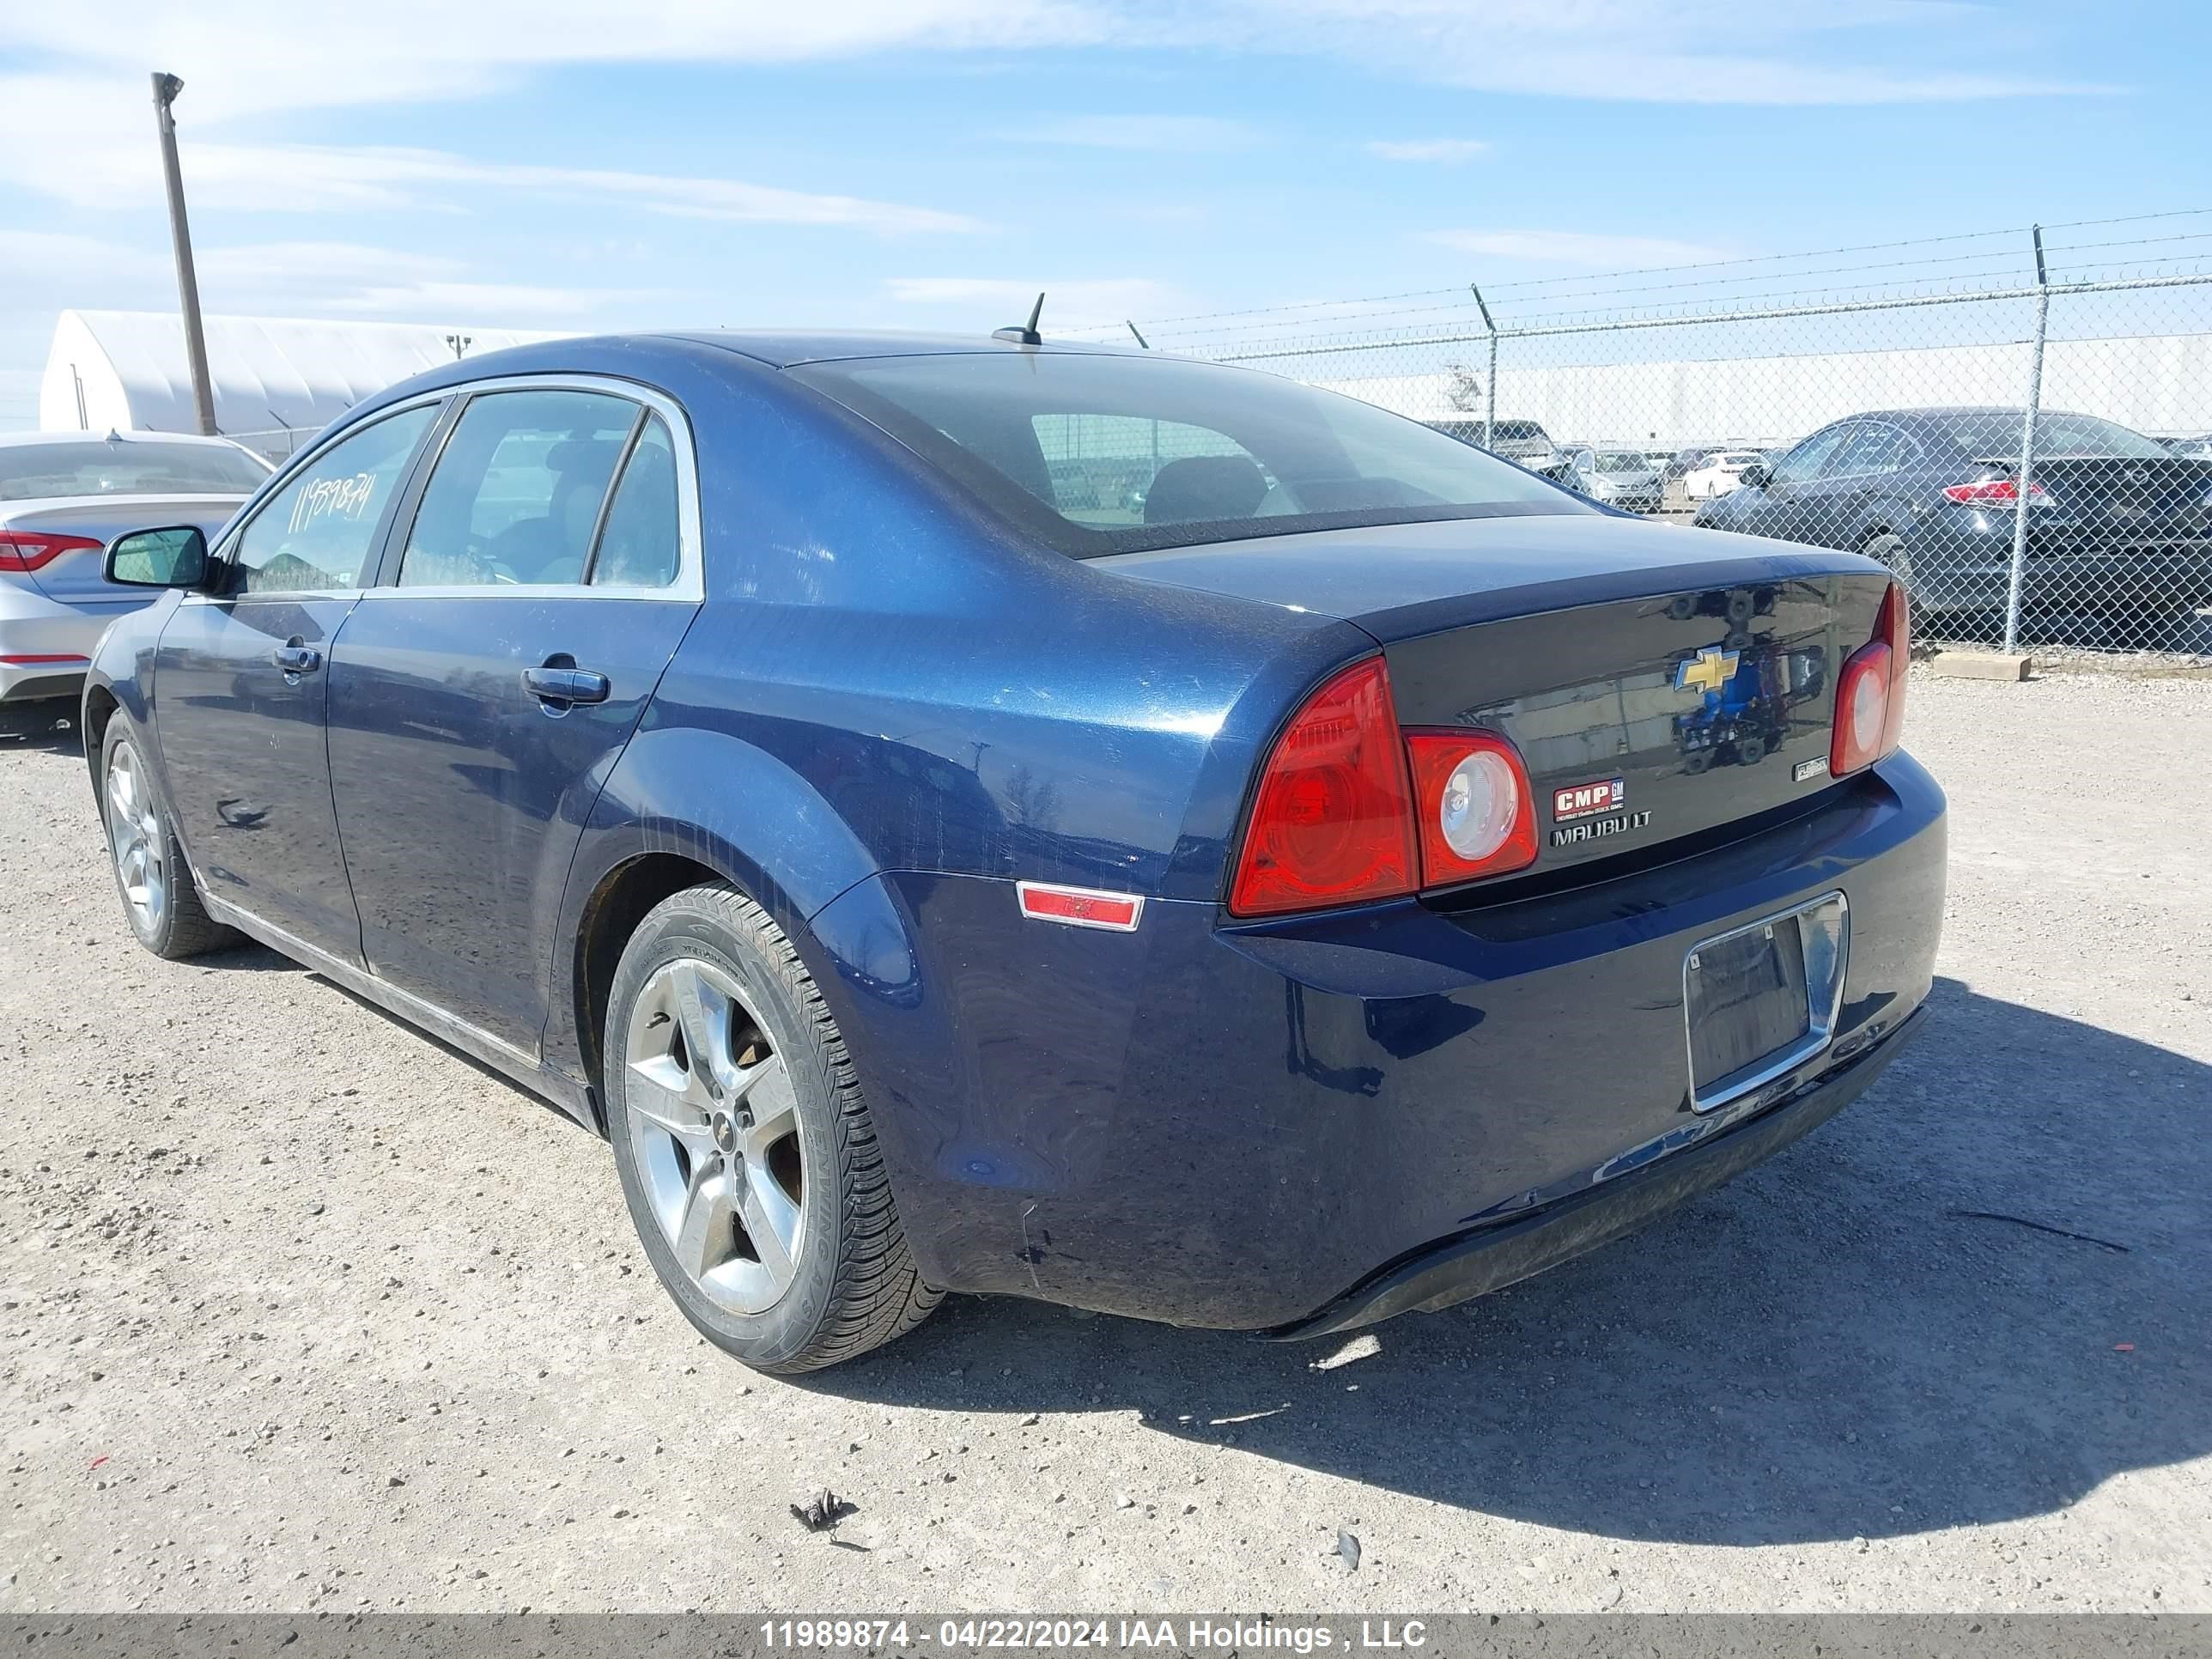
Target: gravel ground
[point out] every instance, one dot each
(299, 1310)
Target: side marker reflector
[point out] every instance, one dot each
(1080, 906)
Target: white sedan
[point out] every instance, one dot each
(1719, 473)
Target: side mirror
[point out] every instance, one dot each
(1757, 476)
(174, 557)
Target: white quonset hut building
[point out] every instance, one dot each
(278, 379)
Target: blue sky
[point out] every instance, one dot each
(930, 163)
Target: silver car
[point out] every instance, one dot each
(1619, 477)
(63, 496)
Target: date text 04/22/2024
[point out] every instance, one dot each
(1001, 1635)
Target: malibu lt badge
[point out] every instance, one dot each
(1583, 802)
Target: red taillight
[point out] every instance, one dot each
(1332, 819)
(1870, 692)
(1477, 811)
(29, 549)
(1996, 492)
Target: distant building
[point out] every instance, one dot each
(278, 379)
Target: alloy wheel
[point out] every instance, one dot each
(713, 1123)
(135, 838)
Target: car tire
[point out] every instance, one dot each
(746, 1148)
(160, 900)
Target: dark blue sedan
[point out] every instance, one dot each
(973, 815)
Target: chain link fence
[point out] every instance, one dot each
(2032, 456)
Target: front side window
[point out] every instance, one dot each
(1098, 454)
(1806, 461)
(315, 534)
(516, 497)
(1874, 448)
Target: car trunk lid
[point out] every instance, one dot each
(2125, 500)
(74, 577)
(1660, 682)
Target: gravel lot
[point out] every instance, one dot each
(299, 1310)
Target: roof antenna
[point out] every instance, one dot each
(1141, 340)
(1027, 333)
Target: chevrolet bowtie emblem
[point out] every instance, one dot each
(1708, 671)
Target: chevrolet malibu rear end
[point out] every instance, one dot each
(1038, 820)
(1564, 868)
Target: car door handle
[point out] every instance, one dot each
(296, 659)
(566, 685)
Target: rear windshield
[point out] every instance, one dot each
(1996, 435)
(1111, 455)
(1622, 460)
(1519, 431)
(128, 467)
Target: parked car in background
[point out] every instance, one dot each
(931, 881)
(1525, 443)
(1718, 472)
(63, 496)
(2116, 523)
(1619, 477)
(1684, 461)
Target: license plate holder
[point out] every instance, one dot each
(1761, 1000)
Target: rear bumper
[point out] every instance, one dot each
(45, 646)
(1455, 1270)
(1235, 1126)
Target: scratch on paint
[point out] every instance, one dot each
(1028, 1250)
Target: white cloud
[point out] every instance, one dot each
(309, 177)
(1680, 51)
(1001, 300)
(1428, 150)
(349, 278)
(240, 58)
(1593, 251)
(242, 61)
(1182, 134)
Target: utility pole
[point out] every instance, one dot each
(166, 89)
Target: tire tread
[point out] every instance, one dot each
(878, 1294)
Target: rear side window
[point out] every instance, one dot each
(517, 492)
(314, 535)
(128, 466)
(642, 544)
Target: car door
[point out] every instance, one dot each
(1780, 507)
(240, 681)
(538, 586)
(1861, 491)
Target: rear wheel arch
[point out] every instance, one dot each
(624, 896)
(626, 893)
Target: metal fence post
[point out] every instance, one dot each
(1490, 380)
(2024, 482)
